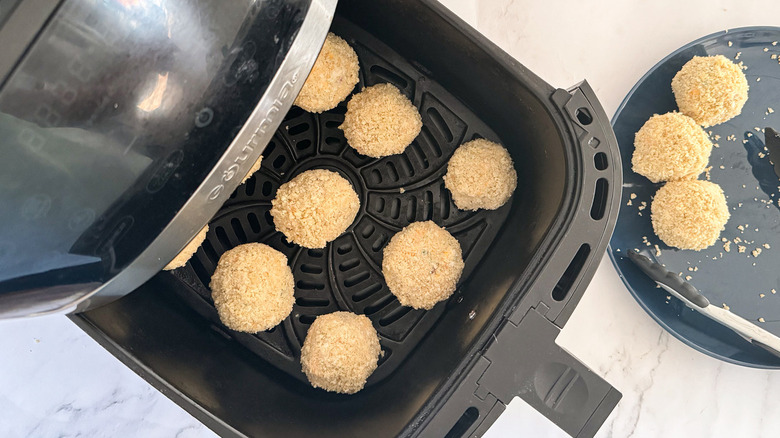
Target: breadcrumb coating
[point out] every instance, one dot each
(186, 254)
(333, 77)
(480, 174)
(252, 288)
(380, 121)
(314, 208)
(340, 352)
(255, 167)
(710, 89)
(422, 265)
(689, 214)
(670, 147)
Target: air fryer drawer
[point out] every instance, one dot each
(448, 371)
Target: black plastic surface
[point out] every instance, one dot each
(236, 392)
(113, 117)
(347, 274)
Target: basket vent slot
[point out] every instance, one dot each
(600, 199)
(464, 423)
(562, 289)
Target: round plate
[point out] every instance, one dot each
(745, 273)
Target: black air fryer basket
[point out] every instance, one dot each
(448, 371)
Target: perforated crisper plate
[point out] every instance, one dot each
(347, 274)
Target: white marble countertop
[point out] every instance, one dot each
(56, 381)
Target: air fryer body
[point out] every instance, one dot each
(129, 124)
(449, 371)
(125, 125)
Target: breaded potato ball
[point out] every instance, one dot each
(188, 251)
(422, 265)
(710, 89)
(333, 77)
(670, 147)
(689, 214)
(340, 351)
(255, 167)
(480, 174)
(252, 288)
(314, 208)
(380, 121)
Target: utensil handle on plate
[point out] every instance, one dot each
(661, 275)
(745, 328)
(695, 300)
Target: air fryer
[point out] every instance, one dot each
(449, 371)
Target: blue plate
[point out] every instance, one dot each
(748, 284)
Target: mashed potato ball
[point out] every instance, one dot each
(314, 208)
(480, 174)
(689, 214)
(422, 265)
(340, 351)
(710, 89)
(380, 121)
(252, 288)
(188, 251)
(670, 147)
(332, 78)
(255, 167)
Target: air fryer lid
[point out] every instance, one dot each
(125, 125)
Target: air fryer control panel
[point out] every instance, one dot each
(112, 117)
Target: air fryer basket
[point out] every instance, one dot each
(448, 371)
(347, 274)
